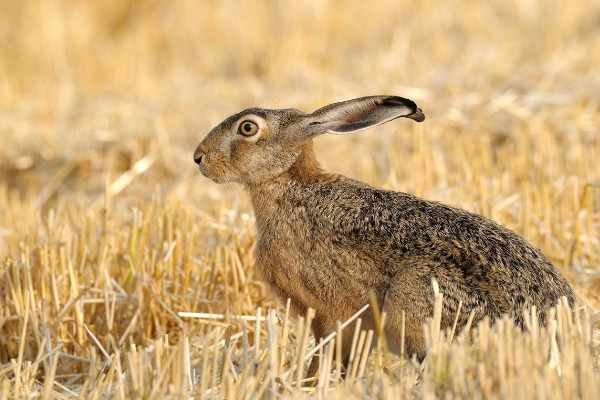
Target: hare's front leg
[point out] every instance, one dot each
(322, 327)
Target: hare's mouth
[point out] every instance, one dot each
(216, 172)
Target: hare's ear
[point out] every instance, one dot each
(358, 114)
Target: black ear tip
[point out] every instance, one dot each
(417, 115)
(397, 101)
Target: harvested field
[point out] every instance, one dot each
(108, 232)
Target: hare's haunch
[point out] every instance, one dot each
(327, 241)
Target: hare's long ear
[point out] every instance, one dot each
(358, 114)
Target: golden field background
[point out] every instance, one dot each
(108, 231)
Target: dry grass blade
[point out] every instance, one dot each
(151, 292)
(220, 316)
(126, 179)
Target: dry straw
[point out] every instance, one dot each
(110, 240)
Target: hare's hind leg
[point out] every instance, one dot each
(409, 298)
(411, 292)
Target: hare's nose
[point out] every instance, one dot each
(198, 156)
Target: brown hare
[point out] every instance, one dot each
(327, 241)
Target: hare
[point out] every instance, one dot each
(327, 241)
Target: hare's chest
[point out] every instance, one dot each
(280, 267)
(279, 260)
(305, 265)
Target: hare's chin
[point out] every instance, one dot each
(218, 179)
(215, 178)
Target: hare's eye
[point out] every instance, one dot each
(248, 128)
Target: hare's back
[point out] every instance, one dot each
(402, 231)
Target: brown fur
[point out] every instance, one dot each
(326, 241)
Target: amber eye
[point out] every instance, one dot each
(248, 128)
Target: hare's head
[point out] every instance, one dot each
(256, 145)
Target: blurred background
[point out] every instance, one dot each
(110, 98)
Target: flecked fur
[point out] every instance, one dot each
(327, 241)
